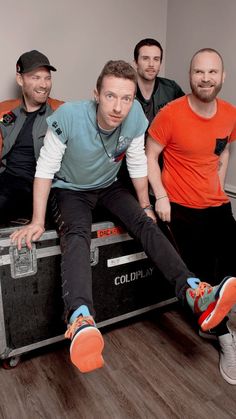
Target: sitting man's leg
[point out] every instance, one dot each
(72, 213)
(209, 304)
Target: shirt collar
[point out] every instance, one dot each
(41, 110)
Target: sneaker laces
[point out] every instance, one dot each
(200, 290)
(79, 321)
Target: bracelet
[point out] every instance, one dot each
(161, 197)
(148, 208)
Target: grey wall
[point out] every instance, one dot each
(78, 36)
(192, 25)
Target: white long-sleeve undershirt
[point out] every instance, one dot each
(51, 154)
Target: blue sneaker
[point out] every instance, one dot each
(211, 304)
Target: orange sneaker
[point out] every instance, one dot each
(86, 344)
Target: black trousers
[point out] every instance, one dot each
(16, 197)
(204, 238)
(73, 215)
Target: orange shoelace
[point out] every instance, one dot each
(200, 290)
(80, 321)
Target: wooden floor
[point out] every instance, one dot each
(156, 367)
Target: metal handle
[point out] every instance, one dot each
(94, 256)
(23, 262)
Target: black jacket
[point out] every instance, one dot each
(164, 91)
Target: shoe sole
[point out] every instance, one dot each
(225, 299)
(226, 377)
(86, 350)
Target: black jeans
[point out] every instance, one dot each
(16, 197)
(72, 211)
(204, 238)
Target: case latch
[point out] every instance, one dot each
(23, 262)
(94, 256)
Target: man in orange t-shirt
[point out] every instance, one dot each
(194, 133)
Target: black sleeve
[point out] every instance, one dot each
(178, 91)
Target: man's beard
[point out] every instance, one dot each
(205, 96)
(149, 78)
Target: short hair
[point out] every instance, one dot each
(147, 42)
(120, 69)
(206, 50)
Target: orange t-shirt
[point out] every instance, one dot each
(192, 150)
